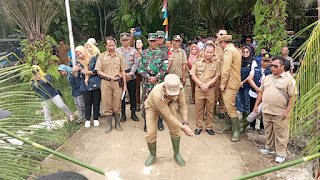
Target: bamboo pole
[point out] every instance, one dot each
(61, 155)
(276, 168)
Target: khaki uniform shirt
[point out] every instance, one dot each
(273, 101)
(231, 68)
(205, 71)
(156, 102)
(179, 60)
(63, 54)
(218, 51)
(111, 65)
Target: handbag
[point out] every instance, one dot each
(94, 83)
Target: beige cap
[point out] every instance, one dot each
(172, 84)
(227, 38)
(92, 41)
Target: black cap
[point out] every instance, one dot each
(266, 56)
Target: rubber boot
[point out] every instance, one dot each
(118, 126)
(160, 124)
(153, 149)
(236, 129)
(227, 125)
(145, 122)
(245, 122)
(109, 125)
(123, 114)
(176, 146)
(134, 116)
(214, 115)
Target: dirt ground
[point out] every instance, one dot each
(207, 157)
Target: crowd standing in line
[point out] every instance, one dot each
(222, 72)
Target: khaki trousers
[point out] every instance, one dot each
(229, 98)
(222, 108)
(204, 100)
(111, 97)
(152, 117)
(277, 132)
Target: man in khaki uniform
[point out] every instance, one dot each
(230, 84)
(179, 62)
(161, 101)
(62, 52)
(276, 93)
(205, 72)
(111, 67)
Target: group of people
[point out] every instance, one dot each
(220, 73)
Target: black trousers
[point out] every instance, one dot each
(253, 124)
(131, 85)
(91, 98)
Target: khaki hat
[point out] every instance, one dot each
(152, 36)
(172, 84)
(124, 36)
(176, 38)
(227, 38)
(160, 33)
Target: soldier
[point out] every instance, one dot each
(129, 56)
(230, 84)
(205, 72)
(276, 92)
(152, 69)
(166, 50)
(111, 67)
(161, 101)
(219, 53)
(179, 60)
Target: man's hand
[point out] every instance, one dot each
(255, 110)
(186, 129)
(285, 115)
(223, 88)
(204, 87)
(152, 80)
(128, 76)
(132, 30)
(241, 85)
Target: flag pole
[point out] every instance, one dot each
(73, 55)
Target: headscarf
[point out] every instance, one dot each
(193, 57)
(86, 61)
(65, 68)
(95, 50)
(41, 73)
(249, 59)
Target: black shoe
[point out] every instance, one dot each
(145, 128)
(138, 109)
(221, 115)
(134, 116)
(160, 124)
(210, 131)
(197, 131)
(123, 118)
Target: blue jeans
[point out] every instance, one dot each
(243, 100)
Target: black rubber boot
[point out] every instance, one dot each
(160, 124)
(109, 125)
(118, 126)
(245, 122)
(236, 129)
(153, 149)
(123, 115)
(176, 147)
(134, 116)
(227, 125)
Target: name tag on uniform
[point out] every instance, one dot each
(211, 67)
(200, 72)
(116, 60)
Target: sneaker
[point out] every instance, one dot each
(280, 159)
(71, 117)
(87, 124)
(96, 123)
(266, 151)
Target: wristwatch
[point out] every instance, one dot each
(185, 123)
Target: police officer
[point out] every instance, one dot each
(179, 60)
(205, 72)
(129, 56)
(152, 69)
(111, 68)
(161, 101)
(230, 84)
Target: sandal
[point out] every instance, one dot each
(251, 129)
(261, 132)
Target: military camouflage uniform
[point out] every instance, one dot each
(151, 64)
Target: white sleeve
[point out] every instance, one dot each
(254, 64)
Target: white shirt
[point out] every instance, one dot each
(201, 45)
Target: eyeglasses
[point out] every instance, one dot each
(222, 34)
(245, 52)
(274, 65)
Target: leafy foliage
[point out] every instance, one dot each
(269, 29)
